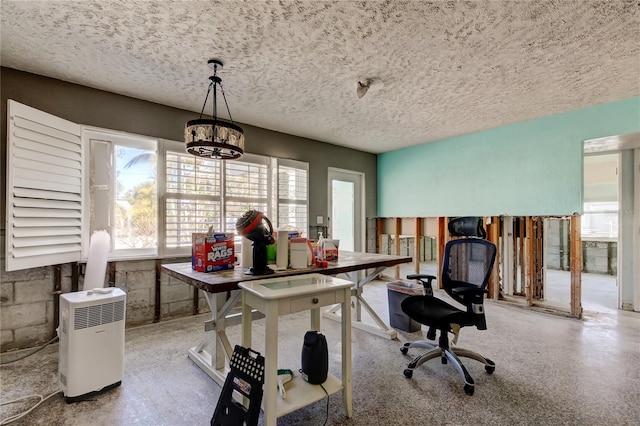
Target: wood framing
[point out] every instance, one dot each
(398, 226)
(494, 236)
(522, 255)
(576, 267)
(442, 237)
(379, 232)
(529, 263)
(416, 251)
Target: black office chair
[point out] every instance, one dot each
(467, 265)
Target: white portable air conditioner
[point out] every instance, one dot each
(91, 335)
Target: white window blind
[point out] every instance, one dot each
(293, 190)
(44, 189)
(246, 187)
(192, 197)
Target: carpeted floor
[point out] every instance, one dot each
(550, 370)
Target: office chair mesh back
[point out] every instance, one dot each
(468, 263)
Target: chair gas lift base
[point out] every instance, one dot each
(465, 273)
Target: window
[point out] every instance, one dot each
(192, 198)
(65, 181)
(293, 188)
(246, 187)
(201, 193)
(123, 191)
(600, 220)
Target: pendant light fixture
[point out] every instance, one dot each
(214, 138)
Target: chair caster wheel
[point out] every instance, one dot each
(468, 389)
(408, 373)
(490, 369)
(404, 350)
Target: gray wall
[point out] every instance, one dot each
(88, 106)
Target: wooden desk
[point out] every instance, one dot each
(222, 293)
(288, 295)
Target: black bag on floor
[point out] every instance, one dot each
(315, 358)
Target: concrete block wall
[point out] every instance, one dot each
(598, 256)
(27, 306)
(407, 247)
(27, 300)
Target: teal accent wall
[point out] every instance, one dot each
(525, 169)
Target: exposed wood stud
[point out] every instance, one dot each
(75, 276)
(398, 231)
(111, 267)
(522, 259)
(494, 291)
(416, 245)
(576, 267)
(57, 290)
(442, 237)
(158, 295)
(379, 232)
(529, 257)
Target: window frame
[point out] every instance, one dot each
(130, 140)
(271, 199)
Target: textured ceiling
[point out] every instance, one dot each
(448, 67)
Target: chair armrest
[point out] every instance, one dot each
(463, 291)
(420, 277)
(428, 290)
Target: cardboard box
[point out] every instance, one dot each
(330, 250)
(210, 253)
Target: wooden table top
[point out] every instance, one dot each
(226, 280)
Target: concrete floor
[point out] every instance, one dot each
(549, 370)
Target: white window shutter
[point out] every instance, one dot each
(44, 189)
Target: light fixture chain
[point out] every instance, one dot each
(205, 99)
(225, 103)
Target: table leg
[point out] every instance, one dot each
(214, 352)
(271, 364)
(380, 328)
(315, 319)
(346, 353)
(246, 322)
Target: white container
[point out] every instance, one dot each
(282, 253)
(246, 259)
(301, 255)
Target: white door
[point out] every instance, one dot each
(346, 208)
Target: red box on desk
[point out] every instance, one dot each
(210, 253)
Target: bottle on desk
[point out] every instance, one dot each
(320, 256)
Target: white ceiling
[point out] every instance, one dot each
(448, 67)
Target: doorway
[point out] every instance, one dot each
(627, 149)
(346, 208)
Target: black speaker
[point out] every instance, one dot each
(315, 358)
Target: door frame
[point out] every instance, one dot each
(628, 231)
(333, 173)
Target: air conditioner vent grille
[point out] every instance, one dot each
(93, 316)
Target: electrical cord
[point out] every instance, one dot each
(32, 352)
(18, 416)
(326, 419)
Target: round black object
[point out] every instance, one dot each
(315, 358)
(255, 226)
